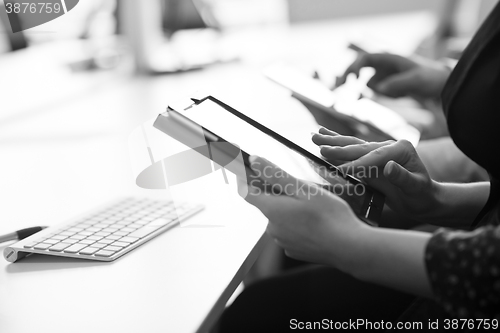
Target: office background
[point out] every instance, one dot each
(72, 92)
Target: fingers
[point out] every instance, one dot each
(354, 68)
(269, 204)
(401, 152)
(326, 131)
(351, 152)
(278, 179)
(399, 85)
(407, 181)
(265, 202)
(398, 175)
(338, 140)
(375, 60)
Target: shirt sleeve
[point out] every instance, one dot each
(464, 271)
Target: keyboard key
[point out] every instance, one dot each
(144, 231)
(67, 233)
(99, 245)
(104, 253)
(102, 234)
(85, 233)
(159, 222)
(74, 229)
(106, 241)
(75, 248)
(129, 239)
(114, 237)
(59, 237)
(171, 215)
(89, 250)
(59, 247)
(30, 245)
(120, 233)
(94, 238)
(120, 244)
(42, 246)
(51, 241)
(78, 237)
(93, 229)
(127, 229)
(86, 241)
(70, 241)
(113, 248)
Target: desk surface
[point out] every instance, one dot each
(67, 154)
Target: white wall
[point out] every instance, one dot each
(304, 10)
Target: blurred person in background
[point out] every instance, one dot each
(389, 275)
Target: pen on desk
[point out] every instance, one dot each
(20, 234)
(356, 48)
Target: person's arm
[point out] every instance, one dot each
(312, 224)
(446, 163)
(458, 204)
(391, 258)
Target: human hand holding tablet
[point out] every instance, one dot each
(230, 136)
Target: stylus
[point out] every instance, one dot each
(20, 234)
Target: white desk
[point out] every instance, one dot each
(69, 155)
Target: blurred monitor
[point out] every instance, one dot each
(158, 32)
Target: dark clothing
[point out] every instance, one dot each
(310, 294)
(464, 268)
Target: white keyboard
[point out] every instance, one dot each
(105, 234)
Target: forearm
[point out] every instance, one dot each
(458, 204)
(391, 258)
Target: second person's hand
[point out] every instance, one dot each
(397, 76)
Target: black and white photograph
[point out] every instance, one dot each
(249, 166)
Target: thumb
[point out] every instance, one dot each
(278, 179)
(405, 180)
(398, 85)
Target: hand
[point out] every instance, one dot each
(394, 168)
(310, 223)
(397, 76)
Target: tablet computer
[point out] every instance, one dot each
(367, 119)
(228, 137)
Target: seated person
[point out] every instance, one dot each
(374, 273)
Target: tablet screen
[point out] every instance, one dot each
(255, 141)
(250, 139)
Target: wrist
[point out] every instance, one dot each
(436, 207)
(356, 253)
